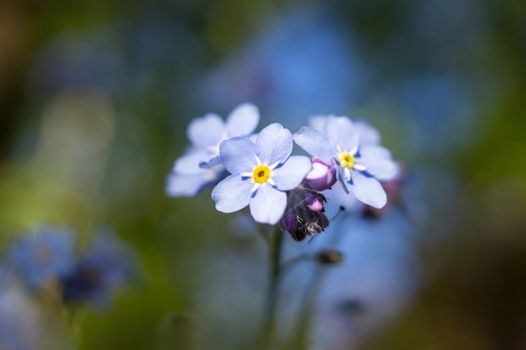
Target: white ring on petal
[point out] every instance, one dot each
(360, 167)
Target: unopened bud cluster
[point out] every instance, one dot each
(305, 213)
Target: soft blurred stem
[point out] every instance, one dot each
(264, 234)
(304, 324)
(73, 320)
(305, 317)
(69, 314)
(272, 293)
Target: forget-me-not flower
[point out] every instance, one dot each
(261, 172)
(9, 338)
(105, 267)
(13, 330)
(338, 195)
(354, 148)
(43, 257)
(201, 165)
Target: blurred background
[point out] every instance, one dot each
(95, 97)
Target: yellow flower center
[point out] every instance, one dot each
(346, 160)
(261, 174)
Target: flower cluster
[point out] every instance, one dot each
(47, 260)
(202, 165)
(259, 170)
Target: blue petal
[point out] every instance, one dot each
(274, 144)
(378, 162)
(318, 123)
(368, 190)
(243, 120)
(206, 131)
(211, 162)
(374, 152)
(314, 143)
(187, 185)
(292, 173)
(268, 205)
(367, 135)
(190, 162)
(25, 256)
(232, 194)
(339, 197)
(238, 155)
(340, 131)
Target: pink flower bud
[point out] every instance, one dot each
(315, 202)
(322, 176)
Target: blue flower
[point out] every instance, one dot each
(10, 337)
(201, 165)
(20, 321)
(41, 258)
(107, 266)
(261, 173)
(354, 148)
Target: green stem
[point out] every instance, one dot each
(264, 234)
(74, 325)
(272, 293)
(304, 324)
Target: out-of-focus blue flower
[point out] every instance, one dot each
(201, 165)
(284, 65)
(10, 339)
(21, 326)
(43, 257)
(261, 173)
(108, 265)
(361, 165)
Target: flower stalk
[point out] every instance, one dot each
(275, 253)
(325, 259)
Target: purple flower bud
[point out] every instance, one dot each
(322, 176)
(315, 202)
(304, 213)
(288, 221)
